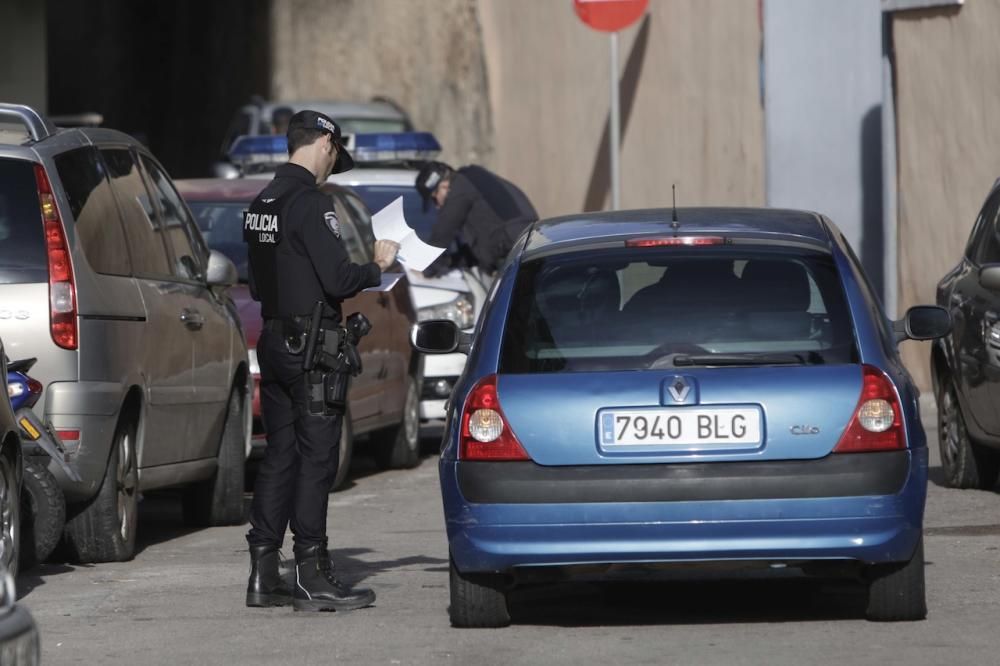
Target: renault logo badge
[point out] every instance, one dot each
(679, 389)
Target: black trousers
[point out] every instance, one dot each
(300, 461)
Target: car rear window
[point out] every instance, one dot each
(221, 225)
(645, 308)
(22, 241)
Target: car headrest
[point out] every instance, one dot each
(776, 285)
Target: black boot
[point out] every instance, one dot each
(265, 587)
(316, 588)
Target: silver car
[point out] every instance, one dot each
(106, 280)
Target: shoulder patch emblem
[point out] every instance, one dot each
(332, 223)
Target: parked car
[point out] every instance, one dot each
(19, 640)
(384, 399)
(965, 366)
(11, 477)
(105, 279)
(386, 168)
(722, 390)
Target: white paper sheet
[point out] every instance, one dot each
(390, 224)
(389, 281)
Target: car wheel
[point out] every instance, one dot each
(10, 514)
(477, 600)
(219, 499)
(345, 452)
(43, 514)
(965, 464)
(896, 591)
(103, 530)
(399, 447)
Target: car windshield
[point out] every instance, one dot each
(651, 308)
(22, 243)
(222, 226)
(377, 197)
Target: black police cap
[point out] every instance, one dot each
(324, 123)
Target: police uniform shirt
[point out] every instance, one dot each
(296, 255)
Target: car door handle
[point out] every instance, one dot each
(192, 319)
(383, 300)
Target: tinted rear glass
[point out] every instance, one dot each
(377, 197)
(22, 243)
(637, 309)
(222, 226)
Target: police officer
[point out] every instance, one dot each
(477, 208)
(296, 258)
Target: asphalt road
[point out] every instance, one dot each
(181, 600)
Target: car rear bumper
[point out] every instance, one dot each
(684, 516)
(92, 409)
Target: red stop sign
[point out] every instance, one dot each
(610, 15)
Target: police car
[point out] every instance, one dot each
(386, 168)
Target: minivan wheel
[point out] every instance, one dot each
(43, 514)
(965, 463)
(10, 515)
(103, 530)
(896, 591)
(398, 447)
(477, 600)
(344, 453)
(219, 500)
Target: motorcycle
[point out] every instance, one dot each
(43, 506)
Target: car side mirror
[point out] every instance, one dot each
(923, 322)
(221, 272)
(440, 336)
(989, 276)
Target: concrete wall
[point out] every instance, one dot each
(948, 106)
(823, 95)
(23, 53)
(521, 86)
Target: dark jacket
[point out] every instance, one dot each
(296, 255)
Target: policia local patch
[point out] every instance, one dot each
(261, 228)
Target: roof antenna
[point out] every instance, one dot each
(674, 224)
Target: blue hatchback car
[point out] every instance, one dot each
(646, 393)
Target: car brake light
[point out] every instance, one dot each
(62, 289)
(877, 423)
(68, 435)
(685, 241)
(486, 434)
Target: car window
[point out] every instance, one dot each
(98, 225)
(22, 242)
(221, 225)
(349, 234)
(985, 244)
(145, 242)
(635, 309)
(363, 216)
(179, 229)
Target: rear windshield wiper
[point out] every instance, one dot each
(739, 359)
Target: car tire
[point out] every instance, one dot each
(10, 514)
(477, 600)
(896, 592)
(345, 453)
(103, 529)
(965, 464)
(43, 514)
(219, 499)
(398, 447)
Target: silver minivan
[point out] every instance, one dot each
(106, 280)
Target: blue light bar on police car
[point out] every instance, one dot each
(399, 146)
(259, 150)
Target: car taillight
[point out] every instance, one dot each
(486, 434)
(877, 423)
(62, 289)
(675, 241)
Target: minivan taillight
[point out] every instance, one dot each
(486, 434)
(62, 287)
(877, 423)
